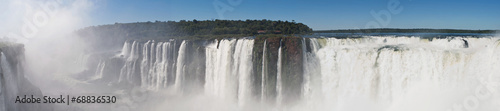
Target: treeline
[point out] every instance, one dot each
(114, 35)
(203, 28)
(388, 30)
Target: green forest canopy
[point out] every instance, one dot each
(185, 28)
(214, 29)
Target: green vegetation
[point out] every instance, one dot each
(207, 29)
(389, 30)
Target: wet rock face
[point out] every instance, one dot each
(13, 83)
(292, 68)
(466, 43)
(265, 62)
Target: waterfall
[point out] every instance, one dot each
(228, 69)
(99, 70)
(279, 82)
(264, 72)
(125, 49)
(219, 81)
(154, 62)
(179, 77)
(384, 68)
(307, 75)
(144, 67)
(312, 79)
(243, 67)
(129, 68)
(335, 70)
(160, 67)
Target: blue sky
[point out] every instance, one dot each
(317, 14)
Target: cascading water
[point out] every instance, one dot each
(263, 79)
(243, 67)
(229, 76)
(145, 63)
(129, 68)
(386, 68)
(373, 69)
(179, 77)
(312, 81)
(99, 70)
(155, 63)
(279, 82)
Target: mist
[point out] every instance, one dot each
(52, 51)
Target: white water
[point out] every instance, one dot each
(179, 77)
(161, 65)
(361, 72)
(263, 79)
(99, 70)
(355, 74)
(243, 54)
(228, 69)
(155, 65)
(279, 83)
(145, 63)
(128, 68)
(312, 79)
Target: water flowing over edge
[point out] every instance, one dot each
(335, 71)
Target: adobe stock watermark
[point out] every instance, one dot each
(384, 17)
(223, 7)
(38, 19)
